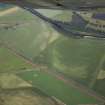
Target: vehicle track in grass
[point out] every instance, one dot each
(58, 75)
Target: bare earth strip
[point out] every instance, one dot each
(9, 11)
(59, 76)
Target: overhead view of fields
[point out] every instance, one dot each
(38, 66)
(42, 80)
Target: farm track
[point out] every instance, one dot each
(59, 76)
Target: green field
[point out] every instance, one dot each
(9, 61)
(79, 59)
(26, 38)
(45, 82)
(54, 87)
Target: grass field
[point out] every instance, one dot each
(26, 38)
(45, 82)
(9, 62)
(54, 87)
(76, 58)
(79, 59)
